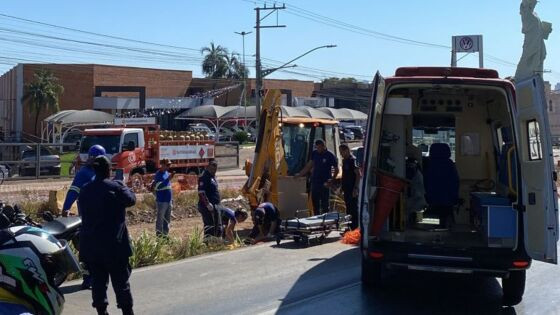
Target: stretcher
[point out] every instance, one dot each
(318, 227)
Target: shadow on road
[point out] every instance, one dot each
(71, 289)
(402, 293)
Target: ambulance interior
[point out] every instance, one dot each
(454, 146)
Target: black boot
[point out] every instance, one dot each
(127, 310)
(102, 310)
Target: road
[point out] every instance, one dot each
(323, 279)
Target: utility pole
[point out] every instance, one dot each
(243, 33)
(258, 65)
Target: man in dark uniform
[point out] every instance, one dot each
(266, 220)
(322, 164)
(350, 183)
(104, 241)
(209, 200)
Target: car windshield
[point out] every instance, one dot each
(109, 142)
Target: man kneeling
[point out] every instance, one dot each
(229, 219)
(266, 220)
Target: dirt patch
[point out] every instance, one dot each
(184, 227)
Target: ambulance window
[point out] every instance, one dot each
(535, 145)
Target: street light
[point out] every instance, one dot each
(261, 73)
(243, 33)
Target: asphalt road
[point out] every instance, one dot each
(321, 279)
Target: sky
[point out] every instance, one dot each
(354, 26)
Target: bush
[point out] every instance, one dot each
(241, 137)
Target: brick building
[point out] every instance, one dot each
(116, 89)
(86, 86)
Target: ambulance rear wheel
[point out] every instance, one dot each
(513, 287)
(371, 273)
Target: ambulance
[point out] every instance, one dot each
(459, 177)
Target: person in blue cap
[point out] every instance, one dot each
(85, 175)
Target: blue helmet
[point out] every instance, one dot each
(96, 150)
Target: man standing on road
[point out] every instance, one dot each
(350, 183)
(83, 176)
(104, 240)
(322, 163)
(164, 203)
(209, 200)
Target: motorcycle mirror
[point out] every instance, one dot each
(47, 216)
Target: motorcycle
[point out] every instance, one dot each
(62, 228)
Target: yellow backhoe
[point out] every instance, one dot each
(284, 146)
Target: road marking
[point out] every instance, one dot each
(309, 298)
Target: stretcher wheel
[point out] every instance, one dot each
(278, 239)
(297, 239)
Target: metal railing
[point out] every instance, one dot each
(24, 160)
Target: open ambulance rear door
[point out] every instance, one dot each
(373, 134)
(538, 186)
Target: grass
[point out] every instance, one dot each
(247, 145)
(148, 249)
(66, 160)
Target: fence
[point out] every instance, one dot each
(45, 160)
(36, 160)
(227, 155)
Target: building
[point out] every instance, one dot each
(118, 90)
(553, 104)
(557, 88)
(87, 86)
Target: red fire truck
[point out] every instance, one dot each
(136, 150)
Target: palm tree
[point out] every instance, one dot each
(42, 94)
(235, 69)
(214, 64)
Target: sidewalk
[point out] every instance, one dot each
(233, 176)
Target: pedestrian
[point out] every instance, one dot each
(266, 220)
(164, 198)
(230, 219)
(322, 164)
(82, 177)
(209, 200)
(350, 183)
(104, 240)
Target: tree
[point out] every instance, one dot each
(235, 69)
(340, 81)
(42, 94)
(214, 64)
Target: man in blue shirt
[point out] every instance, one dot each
(209, 200)
(229, 219)
(266, 220)
(323, 162)
(162, 188)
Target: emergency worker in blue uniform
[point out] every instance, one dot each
(209, 200)
(229, 219)
(83, 176)
(266, 220)
(104, 240)
(322, 164)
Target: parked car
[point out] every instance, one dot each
(49, 162)
(4, 172)
(357, 130)
(346, 134)
(74, 136)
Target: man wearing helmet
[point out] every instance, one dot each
(104, 240)
(84, 176)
